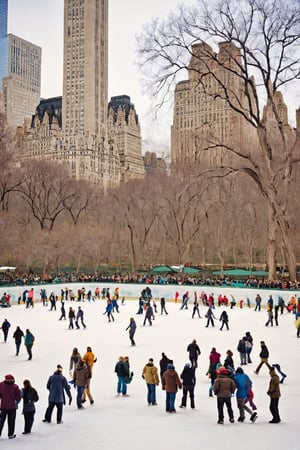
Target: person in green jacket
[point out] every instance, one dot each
(28, 341)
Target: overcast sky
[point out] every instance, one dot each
(41, 22)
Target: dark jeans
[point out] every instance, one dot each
(122, 386)
(131, 337)
(220, 403)
(210, 320)
(28, 419)
(28, 348)
(151, 396)
(170, 401)
(11, 419)
(274, 409)
(80, 391)
(49, 410)
(194, 360)
(18, 345)
(188, 390)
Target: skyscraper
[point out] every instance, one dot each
(20, 74)
(85, 91)
(202, 119)
(3, 40)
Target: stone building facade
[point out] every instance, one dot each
(202, 119)
(124, 130)
(20, 85)
(100, 145)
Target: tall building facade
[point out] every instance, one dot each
(20, 73)
(202, 119)
(3, 40)
(124, 129)
(100, 145)
(85, 91)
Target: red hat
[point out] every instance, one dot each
(222, 371)
(9, 378)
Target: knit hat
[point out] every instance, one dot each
(9, 378)
(222, 371)
(170, 367)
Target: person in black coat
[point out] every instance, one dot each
(5, 328)
(163, 363)
(224, 319)
(29, 396)
(163, 306)
(194, 352)
(149, 315)
(188, 385)
(18, 334)
(264, 355)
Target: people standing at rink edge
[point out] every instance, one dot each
(150, 375)
(30, 397)
(57, 386)
(10, 395)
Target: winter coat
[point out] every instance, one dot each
(274, 389)
(18, 334)
(214, 357)
(264, 352)
(29, 339)
(81, 375)
(149, 312)
(243, 385)
(131, 327)
(150, 374)
(89, 358)
(28, 395)
(10, 395)
(241, 346)
(57, 385)
(74, 360)
(194, 350)
(122, 369)
(228, 363)
(163, 363)
(224, 317)
(224, 386)
(171, 381)
(188, 376)
(5, 326)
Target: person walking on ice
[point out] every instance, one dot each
(264, 355)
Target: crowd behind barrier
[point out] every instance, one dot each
(14, 279)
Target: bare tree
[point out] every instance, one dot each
(47, 192)
(10, 175)
(266, 34)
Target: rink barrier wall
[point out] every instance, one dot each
(133, 291)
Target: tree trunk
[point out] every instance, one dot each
(271, 243)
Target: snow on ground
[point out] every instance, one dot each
(113, 423)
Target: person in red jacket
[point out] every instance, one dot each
(10, 395)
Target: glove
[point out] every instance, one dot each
(95, 360)
(70, 400)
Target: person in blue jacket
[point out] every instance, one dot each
(243, 385)
(57, 386)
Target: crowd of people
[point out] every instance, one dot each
(202, 279)
(226, 380)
